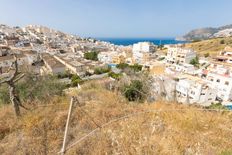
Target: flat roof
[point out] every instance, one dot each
(51, 61)
(11, 57)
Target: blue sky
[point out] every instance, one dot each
(118, 18)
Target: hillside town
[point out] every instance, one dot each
(183, 75)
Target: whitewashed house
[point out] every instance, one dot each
(192, 90)
(112, 57)
(141, 50)
(180, 68)
(105, 57)
(222, 82)
(180, 55)
(225, 55)
(184, 68)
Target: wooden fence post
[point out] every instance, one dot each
(66, 127)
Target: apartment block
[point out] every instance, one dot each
(180, 55)
(142, 51)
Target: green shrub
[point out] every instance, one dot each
(222, 42)
(33, 87)
(40, 88)
(196, 40)
(102, 70)
(114, 75)
(135, 67)
(91, 56)
(4, 96)
(122, 65)
(217, 106)
(195, 61)
(226, 152)
(75, 77)
(134, 91)
(75, 83)
(206, 55)
(75, 80)
(162, 58)
(67, 74)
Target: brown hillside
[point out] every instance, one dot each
(166, 129)
(211, 46)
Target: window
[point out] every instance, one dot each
(218, 80)
(210, 78)
(202, 93)
(227, 83)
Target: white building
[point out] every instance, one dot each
(194, 90)
(225, 55)
(180, 68)
(222, 82)
(184, 68)
(112, 57)
(180, 55)
(105, 57)
(141, 49)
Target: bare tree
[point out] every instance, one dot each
(13, 76)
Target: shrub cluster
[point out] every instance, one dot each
(102, 70)
(91, 56)
(75, 80)
(134, 91)
(115, 75)
(33, 87)
(135, 67)
(195, 62)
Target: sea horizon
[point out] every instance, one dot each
(130, 41)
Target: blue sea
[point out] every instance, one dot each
(131, 41)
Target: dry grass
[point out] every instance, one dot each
(158, 70)
(211, 46)
(189, 131)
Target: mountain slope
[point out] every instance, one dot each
(210, 32)
(212, 46)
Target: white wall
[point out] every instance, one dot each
(223, 84)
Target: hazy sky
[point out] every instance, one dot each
(118, 18)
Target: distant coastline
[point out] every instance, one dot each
(131, 41)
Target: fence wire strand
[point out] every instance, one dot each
(132, 115)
